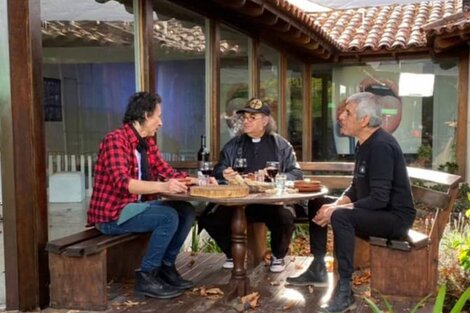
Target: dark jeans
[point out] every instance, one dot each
(279, 221)
(169, 222)
(347, 224)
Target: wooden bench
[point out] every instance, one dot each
(408, 267)
(81, 265)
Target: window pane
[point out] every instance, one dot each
(322, 125)
(180, 80)
(269, 77)
(88, 67)
(88, 55)
(421, 118)
(234, 80)
(294, 102)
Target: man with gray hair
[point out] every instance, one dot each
(377, 203)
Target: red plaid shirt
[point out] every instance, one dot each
(116, 165)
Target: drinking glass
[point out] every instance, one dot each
(206, 169)
(280, 183)
(240, 165)
(272, 168)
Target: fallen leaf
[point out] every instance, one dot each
(214, 291)
(267, 257)
(131, 303)
(288, 306)
(361, 278)
(251, 299)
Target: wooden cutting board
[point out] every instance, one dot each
(226, 191)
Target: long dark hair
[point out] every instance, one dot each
(139, 104)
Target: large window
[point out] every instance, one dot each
(180, 80)
(234, 80)
(88, 56)
(419, 100)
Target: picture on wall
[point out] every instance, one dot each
(52, 100)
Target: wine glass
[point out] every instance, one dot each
(240, 165)
(272, 168)
(206, 169)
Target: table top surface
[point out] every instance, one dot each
(266, 198)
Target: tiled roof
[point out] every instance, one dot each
(171, 35)
(386, 27)
(450, 24)
(304, 18)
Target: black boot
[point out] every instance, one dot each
(147, 285)
(315, 275)
(343, 299)
(170, 275)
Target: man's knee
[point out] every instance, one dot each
(167, 216)
(340, 217)
(315, 204)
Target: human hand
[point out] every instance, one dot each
(229, 173)
(192, 181)
(323, 216)
(175, 186)
(213, 181)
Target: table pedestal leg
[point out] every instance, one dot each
(239, 278)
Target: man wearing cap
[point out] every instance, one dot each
(258, 144)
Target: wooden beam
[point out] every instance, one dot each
(307, 114)
(268, 18)
(282, 111)
(214, 85)
(23, 157)
(236, 4)
(253, 9)
(281, 26)
(462, 116)
(143, 43)
(254, 71)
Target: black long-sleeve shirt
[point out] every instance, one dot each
(380, 180)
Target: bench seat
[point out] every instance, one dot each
(81, 265)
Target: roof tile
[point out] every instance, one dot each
(397, 26)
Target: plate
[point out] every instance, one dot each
(309, 188)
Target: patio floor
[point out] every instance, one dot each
(205, 269)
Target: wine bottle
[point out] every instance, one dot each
(203, 153)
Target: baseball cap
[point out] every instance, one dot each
(255, 105)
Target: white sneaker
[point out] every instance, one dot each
(277, 265)
(228, 264)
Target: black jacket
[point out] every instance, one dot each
(285, 155)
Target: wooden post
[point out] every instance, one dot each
(23, 156)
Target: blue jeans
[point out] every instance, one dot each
(169, 222)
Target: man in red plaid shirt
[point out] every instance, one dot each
(129, 172)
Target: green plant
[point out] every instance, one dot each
(459, 305)
(438, 305)
(210, 246)
(195, 238)
(375, 309)
(454, 257)
(449, 167)
(424, 155)
(462, 203)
